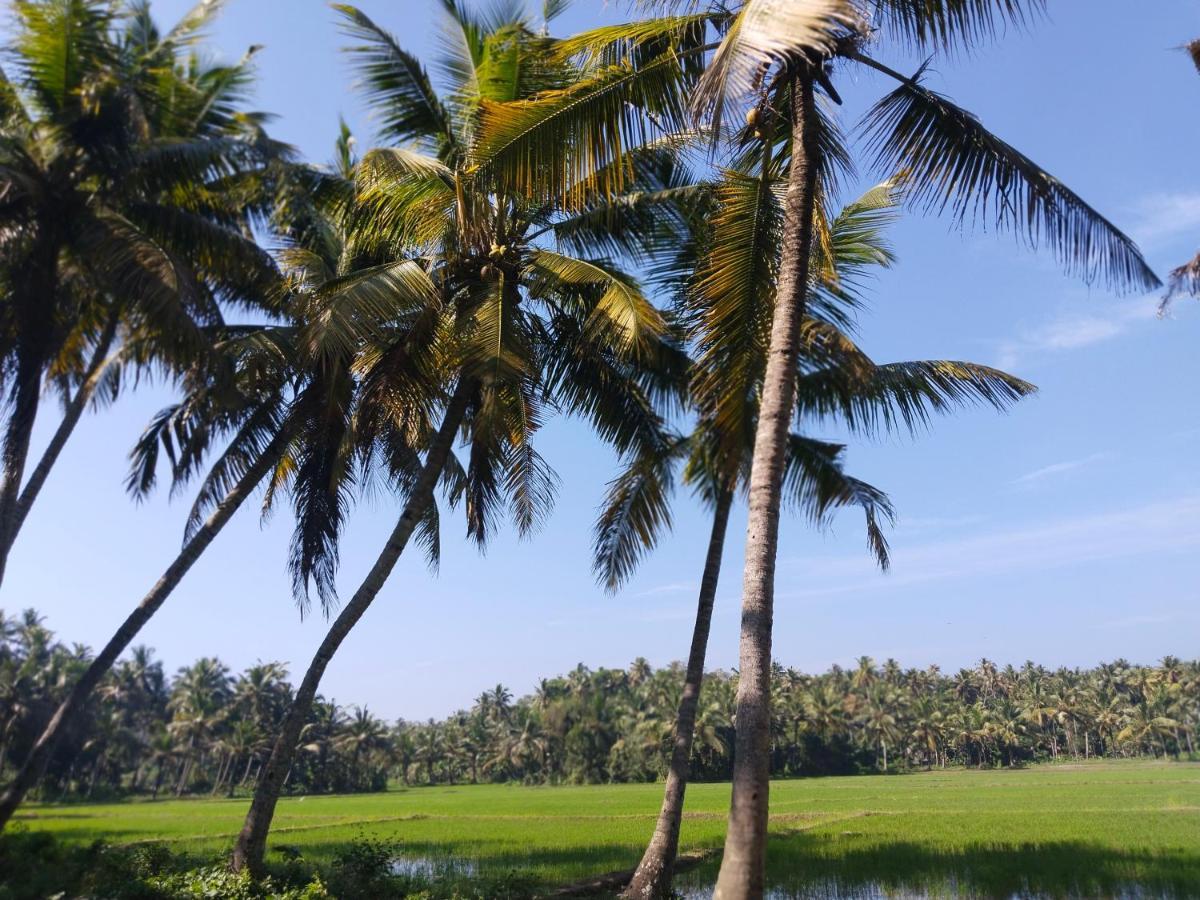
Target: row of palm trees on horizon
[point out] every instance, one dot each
(637, 225)
(206, 732)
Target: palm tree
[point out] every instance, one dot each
(121, 159)
(729, 302)
(243, 397)
(494, 322)
(779, 54)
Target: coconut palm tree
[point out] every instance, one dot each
(496, 324)
(128, 174)
(776, 56)
(728, 303)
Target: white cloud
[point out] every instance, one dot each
(1059, 468)
(1073, 332)
(1161, 218)
(1155, 528)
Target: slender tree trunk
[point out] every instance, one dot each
(44, 747)
(652, 880)
(251, 844)
(27, 387)
(743, 866)
(71, 416)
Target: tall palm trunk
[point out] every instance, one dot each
(71, 416)
(652, 880)
(26, 389)
(40, 754)
(744, 862)
(251, 844)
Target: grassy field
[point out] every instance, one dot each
(1090, 830)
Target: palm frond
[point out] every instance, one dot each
(620, 314)
(634, 515)
(1193, 50)
(868, 398)
(816, 483)
(953, 163)
(363, 305)
(947, 24)
(561, 145)
(763, 33)
(397, 86)
(1183, 280)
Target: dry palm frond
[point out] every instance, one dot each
(765, 32)
(1183, 280)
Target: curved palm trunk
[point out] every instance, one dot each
(251, 844)
(744, 862)
(16, 447)
(32, 769)
(652, 880)
(71, 416)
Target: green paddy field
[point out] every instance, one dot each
(1093, 830)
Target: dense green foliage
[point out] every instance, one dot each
(1077, 830)
(206, 731)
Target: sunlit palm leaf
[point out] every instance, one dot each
(621, 313)
(763, 33)
(557, 145)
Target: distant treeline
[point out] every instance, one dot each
(207, 731)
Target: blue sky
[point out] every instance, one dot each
(1065, 531)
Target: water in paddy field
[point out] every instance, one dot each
(432, 868)
(834, 890)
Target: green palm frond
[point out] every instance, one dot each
(405, 200)
(560, 146)
(396, 85)
(816, 483)
(610, 45)
(662, 198)
(948, 24)
(587, 379)
(620, 314)
(953, 163)
(731, 300)
(869, 398)
(634, 515)
(363, 305)
(61, 45)
(195, 23)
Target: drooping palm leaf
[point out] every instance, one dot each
(396, 85)
(948, 24)
(953, 163)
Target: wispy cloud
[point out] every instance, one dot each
(1059, 468)
(1161, 218)
(1073, 332)
(1151, 529)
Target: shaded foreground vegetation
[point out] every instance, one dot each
(206, 731)
(1074, 829)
